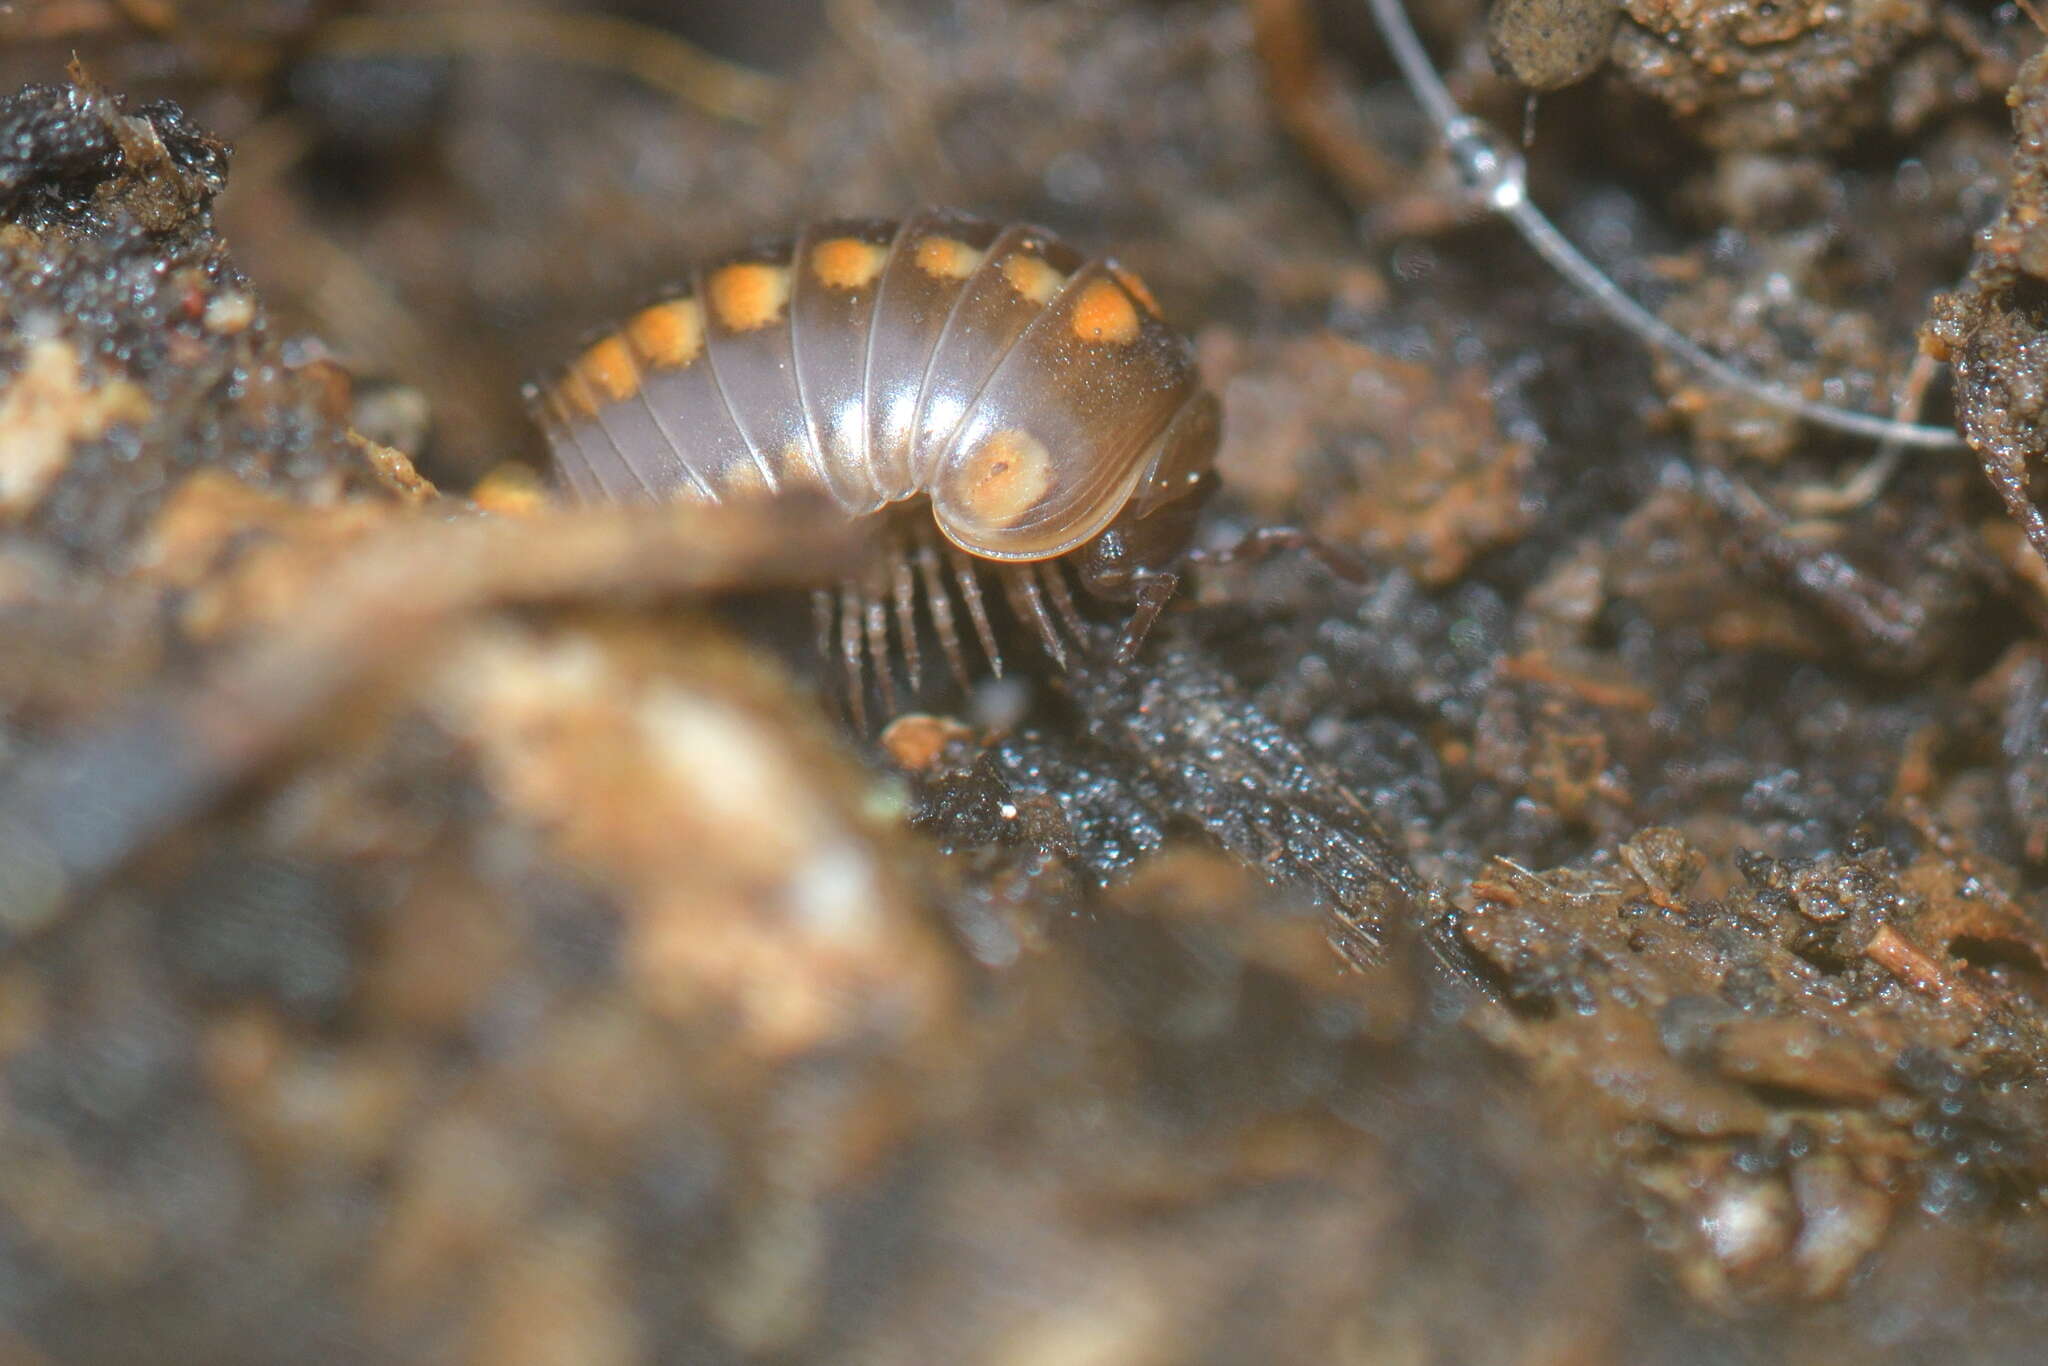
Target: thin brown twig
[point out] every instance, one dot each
(1311, 103)
(1868, 479)
(657, 58)
(77, 810)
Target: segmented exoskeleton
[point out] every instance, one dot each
(1013, 406)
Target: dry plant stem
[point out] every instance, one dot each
(1891, 951)
(76, 811)
(1311, 102)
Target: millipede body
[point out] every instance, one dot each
(1016, 408)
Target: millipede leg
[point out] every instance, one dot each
(1062, 600)
(876, 618)
(849, 651)
(904, 587)
(1027, 602)
(941, 603)
(977, 610)
(824, 621)
(1153, 594)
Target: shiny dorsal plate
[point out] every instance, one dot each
(837, 279)
(617, 375)
(746, 340)
(550, 409)
(597, 399)
(700, 451)
(1023, 270)
(1062, 432)
(934, 256)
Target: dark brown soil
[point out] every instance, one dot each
(439, 926)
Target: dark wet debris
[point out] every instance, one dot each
(1989, 329)
(1175, 753)
(1788, 1064)
(429, 930)
(71, 152)
(137, 354)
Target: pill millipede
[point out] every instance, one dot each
(1015, 408)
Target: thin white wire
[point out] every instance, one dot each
(1497, 177)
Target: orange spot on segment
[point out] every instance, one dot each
(609, 370)
(669, 335)
(847, 262)
(511, 491)
(946, 258)
(1001, 480)
(1104, 313)
(1032, 278)
(1129, 280)
(750, 295)
(578, 400)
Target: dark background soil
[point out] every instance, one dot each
(441, 926)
